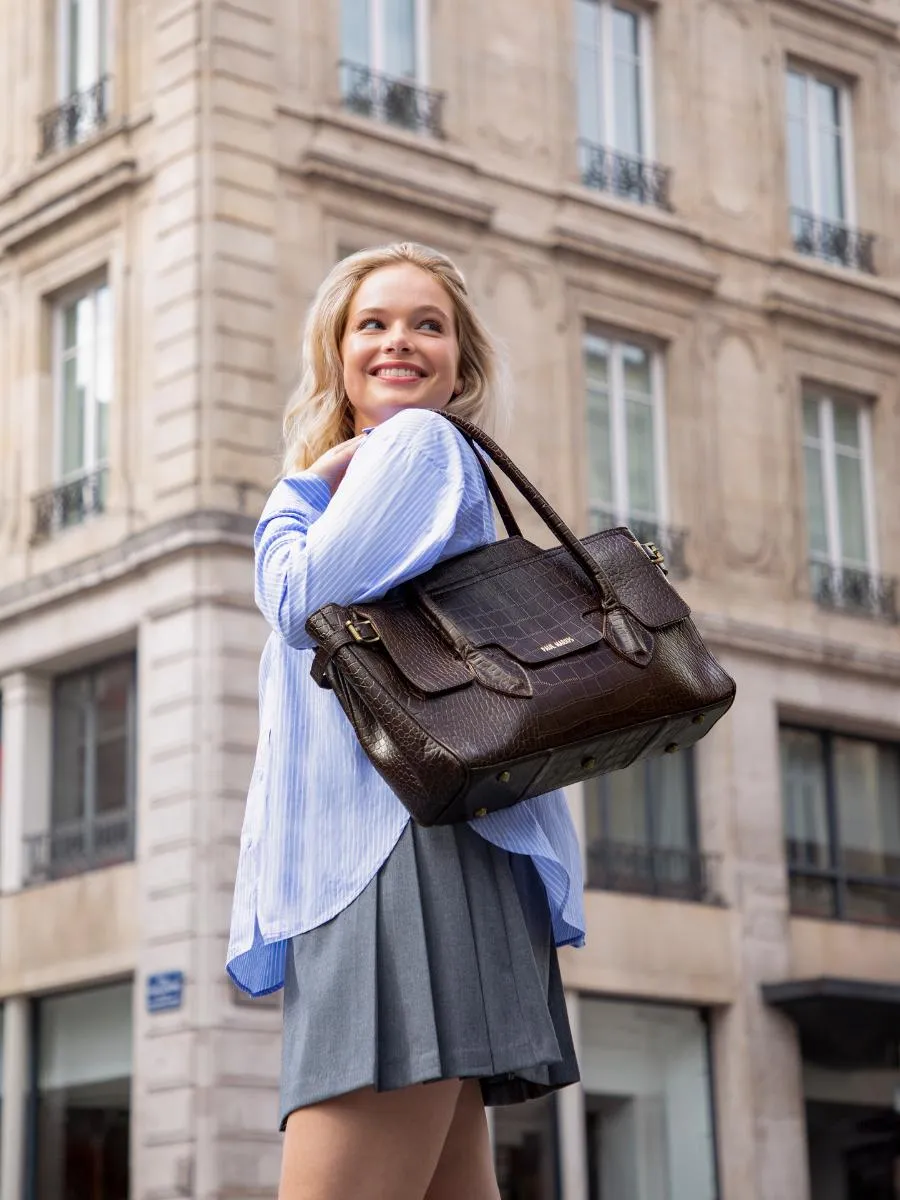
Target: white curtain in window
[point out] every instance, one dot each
(383, 35)
(804, 797)
(815, 144)
(85, 381)
(836, 467)
(646, 1077)
(84, 32)
(85, 1037)
(610, 82)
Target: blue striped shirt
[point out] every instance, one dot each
(320, 820)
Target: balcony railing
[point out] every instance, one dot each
(73, 847)
(670, 541)
(68, 503)
(670, 872)
(851, 590)
(78, 117)
(399, 102)
(624, 176)
(832, 241)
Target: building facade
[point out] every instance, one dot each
(681, 220)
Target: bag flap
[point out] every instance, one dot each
(537, 605)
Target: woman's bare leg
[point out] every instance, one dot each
(466, 1166)
(368, 1145)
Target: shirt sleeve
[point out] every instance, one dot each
(390, 519)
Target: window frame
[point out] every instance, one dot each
(61, 305)
(87, 786)
(835, 874)
(622, 513)
(605, 63)
(825, 401)
(812, 164)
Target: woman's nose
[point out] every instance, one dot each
(397, 340)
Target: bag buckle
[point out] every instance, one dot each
(654, 553)
(373, 636)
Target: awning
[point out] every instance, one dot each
(843, 1023)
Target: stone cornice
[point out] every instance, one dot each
(34, 222)
(566, 238)
(194, 531)
(852, 15)
(827, 316)
(806, 649)
(331, 167)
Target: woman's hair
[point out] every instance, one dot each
(318, 414)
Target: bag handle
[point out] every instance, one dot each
(544, 510)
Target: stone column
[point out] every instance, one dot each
(16, 1051)
(26, 772)
(572, 1130)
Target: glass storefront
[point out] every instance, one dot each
(853, 1133)
(83, 1100)
(645, 1070)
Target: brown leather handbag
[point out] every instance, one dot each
(508, 671)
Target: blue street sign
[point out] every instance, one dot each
(164, 991)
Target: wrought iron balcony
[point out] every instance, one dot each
(832, 242)
(624, 176)
(77, 118)
(669, 872)
(670, 541)
(78, 846)
(395, 101)
(68, 503)
(851, 590)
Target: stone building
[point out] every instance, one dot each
(681, 219)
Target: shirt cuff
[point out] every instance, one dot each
(311, 488)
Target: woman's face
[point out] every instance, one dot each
(399, 349)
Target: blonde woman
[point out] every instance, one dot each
(419, 965)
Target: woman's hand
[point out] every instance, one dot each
(331, 465)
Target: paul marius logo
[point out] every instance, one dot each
(566, 641)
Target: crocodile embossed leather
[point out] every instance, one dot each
(509, 670)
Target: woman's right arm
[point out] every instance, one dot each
(389, 520)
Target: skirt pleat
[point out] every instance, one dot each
(443, 967)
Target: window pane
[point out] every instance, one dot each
(647, 1100)
(72, 458)
(355, 31)
(601, 495)
(846, 425)
(71, 703)
(828, 105)
(804, 798)
(590, 92)
(811, 417)
(399, 38)
(112, 700)
(831, 177)
(815, 503)
(103, 372)
(636, 369)
(867, 781)
(626, 805)
(670, 792)
(796, 95)
(83, 1094)
(525, 1150)
(848, 471)
(627, 84)
(642, 500)
(799, 187)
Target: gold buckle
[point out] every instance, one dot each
(358, 637)
(654, 553)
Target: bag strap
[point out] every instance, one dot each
(542, 507)
(510, 524)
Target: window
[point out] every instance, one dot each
(615, 126)
(645, 1072)
(92, 804)
(625, 445)
(83, 1094)
(841, 799)
(83, 373)
(384, 63)
(526, 1151)
(820, 172)
(82, 79)
(852, 1132)
(837, 453)
(641, 830)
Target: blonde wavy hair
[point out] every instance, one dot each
(318, 414)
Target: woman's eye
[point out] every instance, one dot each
(435, 325)
(370, 322)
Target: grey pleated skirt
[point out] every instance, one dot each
(443, 967)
